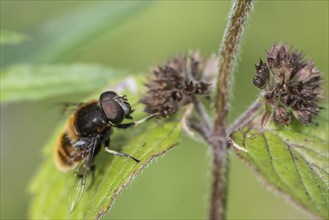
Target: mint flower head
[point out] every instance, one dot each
(291, 85)
(174, 84)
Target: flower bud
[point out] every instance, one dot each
(282, 116)
(175, 84)
(296, 85)
(263, 75)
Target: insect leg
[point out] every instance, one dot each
(78, 175)
(70, 106)
(135, 123)
(107, 141)
(92, 169)
(89, 163)
(107, 149)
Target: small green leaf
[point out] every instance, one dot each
(63, 36)
(29, 82)
(113, 173)
(13, 38)
(293, 159)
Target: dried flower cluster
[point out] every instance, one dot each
(175, 84)
(295, 86)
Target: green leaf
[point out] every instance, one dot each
(113, 173)
(293, 159)
(13, 38)
(29, 82)
(67, 33)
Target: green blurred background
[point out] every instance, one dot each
(174, 186)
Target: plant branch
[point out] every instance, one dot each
(227, 62)
(204, 117)
(245, 117)
(200, 130)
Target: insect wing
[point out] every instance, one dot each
(80, 177)
(76, 185)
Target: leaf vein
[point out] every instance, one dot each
(304, 147)
(301, 178)
(276, 172)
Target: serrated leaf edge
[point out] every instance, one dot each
(271, 187)
(103, 211)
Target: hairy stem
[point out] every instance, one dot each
(204, 117)
(227, 62)
(219, 187)
(228, 58)
(245, 117)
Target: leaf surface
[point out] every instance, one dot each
(33, 82)
(294, 159)
(12, 38)
(63, 36)
(113, 173)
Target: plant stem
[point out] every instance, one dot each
(227, 61)
(245, 117)
(204, 117)
(228, 58)
(220, 181)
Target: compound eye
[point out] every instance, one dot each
(113, 111)
(107, 96)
